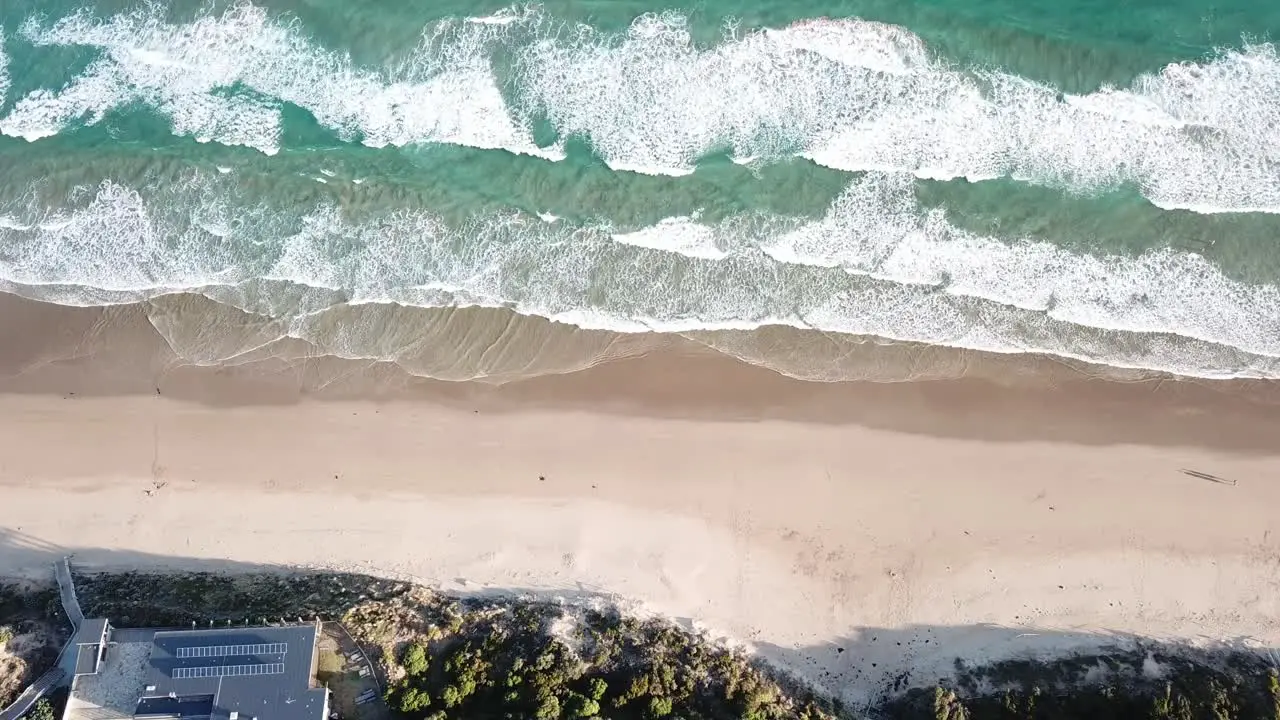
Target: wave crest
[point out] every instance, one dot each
(849, 94)
(223, 77)
(875, 265)
(4, 69)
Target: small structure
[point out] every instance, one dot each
(257, 673)
(89, 646)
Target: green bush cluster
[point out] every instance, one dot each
(498, 659)
(1273, 687)
(508, 665)
(1189, 691)
(43, 710)
(138, 599)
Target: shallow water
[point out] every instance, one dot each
(1093, 181)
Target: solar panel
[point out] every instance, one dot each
(203, 651)
(192, 673)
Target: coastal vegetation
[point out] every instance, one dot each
(43, 710)
(31, 631)
(1152, 684)
(448, 660)
(440, 657)
(445, 657)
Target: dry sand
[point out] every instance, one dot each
(849, 532)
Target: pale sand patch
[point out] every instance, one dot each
(800, 538)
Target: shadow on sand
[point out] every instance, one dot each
(864, 669)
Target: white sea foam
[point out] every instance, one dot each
(115, 244)
(847, 93)
(679, 235)
(876, 228)
(875, 265)
(869, 45)
(198, 74)
(8, 222)
(505, 16)
(856, 95)
(4, 68)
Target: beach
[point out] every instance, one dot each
(850, 532)
(874, 337)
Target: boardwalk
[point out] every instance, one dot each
(64, 668)
(33, 693)
(67, 589)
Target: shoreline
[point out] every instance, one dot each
(776, 512)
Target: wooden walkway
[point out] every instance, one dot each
(33, 693)
(67, 589)
(56, 674)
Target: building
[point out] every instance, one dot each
(259, 673)
(90, 649)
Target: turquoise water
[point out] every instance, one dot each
(1093, 181)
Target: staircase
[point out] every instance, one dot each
(56, 674)
(33, 693)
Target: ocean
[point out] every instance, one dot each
(489, 191)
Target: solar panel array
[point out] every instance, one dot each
(230, 650)
(189, 673)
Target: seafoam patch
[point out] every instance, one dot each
(4, 68)
(846, 93)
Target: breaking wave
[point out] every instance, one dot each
(223, 78)
(4, 69)
(875, 265)
(849, 94)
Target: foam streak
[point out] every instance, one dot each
(849, 94)
(875, 265)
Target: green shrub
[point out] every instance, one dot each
(1273, 686)
(412, 700)
(450, 696)
(549, 709)
(581, 706)
(659, 707)
(42, 711)
(946, 706)
(415, 660)
(598, 687)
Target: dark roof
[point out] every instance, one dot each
(213, 673)
(190, 706)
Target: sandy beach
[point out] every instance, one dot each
(850, 532)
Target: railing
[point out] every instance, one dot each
(33, 693)
(56, 674)
(373, 671)
(67, 592)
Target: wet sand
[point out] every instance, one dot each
(957, 517)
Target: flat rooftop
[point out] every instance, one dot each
(263, 673)
(251, 673)
(112, 693)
